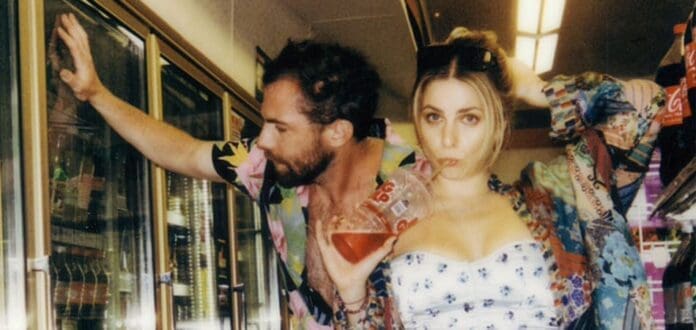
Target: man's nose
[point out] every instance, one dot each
(264, 141)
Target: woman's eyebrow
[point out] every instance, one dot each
(462, 110)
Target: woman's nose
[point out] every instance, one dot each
(449, 136)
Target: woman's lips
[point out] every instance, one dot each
(448, 162)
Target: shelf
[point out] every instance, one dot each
(176, 219)
(97, 224)
(680, 194)
(180, 290)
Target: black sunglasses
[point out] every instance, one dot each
(469, 58)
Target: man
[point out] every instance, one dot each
(312, 160)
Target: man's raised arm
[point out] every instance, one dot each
(160, 142)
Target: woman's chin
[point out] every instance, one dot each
(460, 173)
(454, 173)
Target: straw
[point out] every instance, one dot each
(434, 174)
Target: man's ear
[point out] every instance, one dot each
(339, 132)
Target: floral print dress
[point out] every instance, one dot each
(507, 289)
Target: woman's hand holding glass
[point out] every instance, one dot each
(349, 278)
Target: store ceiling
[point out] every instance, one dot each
(626, 38)
(378, 28)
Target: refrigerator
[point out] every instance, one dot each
(196, 211)
(101, 262)
(257, 267)
(12, 279)
(94, 235)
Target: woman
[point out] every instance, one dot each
(551, 251)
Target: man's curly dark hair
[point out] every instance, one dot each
(337, 82)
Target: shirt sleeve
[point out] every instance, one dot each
(242, 164)
(620, 136)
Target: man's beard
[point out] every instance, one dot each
(317, 163)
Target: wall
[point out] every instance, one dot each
(511, 162)
(228, 31)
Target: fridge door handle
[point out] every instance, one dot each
(165, 278)
(240, 289)
(39, 264)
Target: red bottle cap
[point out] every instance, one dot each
(679, 28)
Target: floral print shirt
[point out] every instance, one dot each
(285, 213)
(574, 207)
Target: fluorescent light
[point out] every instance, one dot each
(528, 12)
(538, 22)
(552, 15)
(524, 50)
(546, 50)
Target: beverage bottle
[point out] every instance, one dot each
(62, 280)
(686, 132)
(672, 75)
(126, 277)
(84, 183)
(89, 286)
(174, 264)
(669, 289)
(70, 192)
(58, 178)
(676, 284)
(78, 284)
(102, 289)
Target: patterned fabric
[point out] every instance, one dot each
(574, 205)
(435, 292)
(284, 211)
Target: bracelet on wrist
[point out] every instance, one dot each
(354, 302)
(361, 308)
(362, 301)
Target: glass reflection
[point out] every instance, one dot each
(197, 212)
(256, 259)
(12, 299)
(101, 263)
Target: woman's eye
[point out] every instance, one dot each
(470, 119)
(280, 129)
(432, 117)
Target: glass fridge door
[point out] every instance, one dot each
(257, 266)
(12, 299)
(196, 212)
(101, 265)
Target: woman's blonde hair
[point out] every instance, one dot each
(493, 85)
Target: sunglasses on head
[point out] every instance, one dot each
(469, 58)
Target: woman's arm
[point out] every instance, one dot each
(527, 86)
(624, 112)
(354, 295)
(613, 123)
